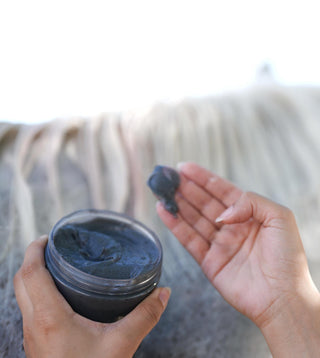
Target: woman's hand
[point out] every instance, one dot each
(249, 248)
(52, 329)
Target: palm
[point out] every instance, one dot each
(247, 261)
(239, 268)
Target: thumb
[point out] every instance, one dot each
(139, 322)
(251, 205)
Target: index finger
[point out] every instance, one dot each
(37, 280)
(223, 190)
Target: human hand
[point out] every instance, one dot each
(249, 248)
(52, 329)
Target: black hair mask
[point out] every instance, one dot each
(164, 182)
(103, 263)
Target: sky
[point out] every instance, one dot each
(80, 58)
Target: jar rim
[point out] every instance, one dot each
(97, 284)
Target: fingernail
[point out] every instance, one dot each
(227, 213)
(159, 204)
(164, 295)
(180, 165)
(42, 237)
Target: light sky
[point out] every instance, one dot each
(72, 57)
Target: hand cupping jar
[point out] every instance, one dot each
(103, 263)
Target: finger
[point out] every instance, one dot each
(138, 323)
(196, 220)
(22, 296)
(251, 205)
(224, 191)
(38, 282)
(188, 237)
(208, 205)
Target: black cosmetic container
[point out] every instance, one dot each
(122, 279)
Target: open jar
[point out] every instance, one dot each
(103, 263)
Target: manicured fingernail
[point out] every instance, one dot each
(164, 295)
(227, 213)
(180, 165)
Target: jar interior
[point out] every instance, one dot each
(104, 252)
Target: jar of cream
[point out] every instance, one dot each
(104, 263)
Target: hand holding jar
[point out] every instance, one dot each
(52, 329)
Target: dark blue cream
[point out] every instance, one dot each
(103, 263)
(164, 182)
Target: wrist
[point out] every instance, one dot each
(294, 329)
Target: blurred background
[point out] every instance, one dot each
(67, 58)
(120, 86)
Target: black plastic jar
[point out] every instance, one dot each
(122, 279)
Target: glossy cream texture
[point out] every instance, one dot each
(106, 249)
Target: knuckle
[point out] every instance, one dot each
(45, 322)
(286, 213)
(248, 195)
(28, 270)
(246, 201)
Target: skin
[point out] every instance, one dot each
(250, 250)
(52, 329)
